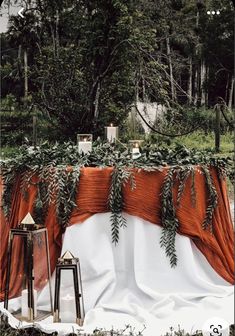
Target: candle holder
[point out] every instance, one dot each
(111, 133)
(84, 142)
(135, 148)
(69, 262)
(28, 249)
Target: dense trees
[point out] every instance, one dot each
(83, 63)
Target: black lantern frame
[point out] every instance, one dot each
(28, 233)
(72, 264)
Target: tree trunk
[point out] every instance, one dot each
(19, 53)
(203, 82)
(34, 131)
(25, 73)
(190, 80)
(195, 87)
(57, 43)
(217, 128)
(227, 89)
(144, 90)
(53, 39)
(170, 68)
(207, 76)
(96, 102)
(196, 77)
(230, 101)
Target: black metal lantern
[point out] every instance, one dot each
(28, 249)
(76, 303)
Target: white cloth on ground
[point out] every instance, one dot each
(132, 282)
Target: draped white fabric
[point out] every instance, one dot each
(133, 283)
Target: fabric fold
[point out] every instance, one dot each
(143, 202)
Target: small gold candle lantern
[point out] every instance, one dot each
(69, 308)
(28, 251)
(135, 148)
(84, 142)
(111, 133)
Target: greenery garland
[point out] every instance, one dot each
(48, 168)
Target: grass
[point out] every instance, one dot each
(197, 139)
(203, 141)
(8, 152)
(6, 330)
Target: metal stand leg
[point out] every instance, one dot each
(79, 319)
(9, 253)
(31, 314)
(56, 299)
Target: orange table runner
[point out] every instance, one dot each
(144, 201)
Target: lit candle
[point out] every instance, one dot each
(24, 303)
(135, 150)
(68, 309)
(112, 133)
(84, 146)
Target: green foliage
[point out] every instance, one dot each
(212, 200)
(89, 61)
(170, 222)
(120, 177)
(49, 169)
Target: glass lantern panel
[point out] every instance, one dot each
(17, 274)
(111, 133)
(67, 307)
(41, 273)
(29, 269)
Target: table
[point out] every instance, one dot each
(137, 262)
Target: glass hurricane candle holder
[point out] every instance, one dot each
(69, 308)
(28, 250)
(111, 133)
(135, 148)
(84, 142)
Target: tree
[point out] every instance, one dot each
(84, 63)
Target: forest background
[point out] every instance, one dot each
(74, 66)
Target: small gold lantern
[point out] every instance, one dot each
(135, 148)
(69, 309)
(28, 249)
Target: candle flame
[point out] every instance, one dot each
(111, 125)
(85, 139)
(136, 145)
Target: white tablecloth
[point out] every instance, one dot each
(133, 283)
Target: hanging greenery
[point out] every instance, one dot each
(170, 222)
(211, 201)
(55, 171)
(120, 177)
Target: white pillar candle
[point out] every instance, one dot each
(135, 151)
(68, 309)
(85, 146)
(112, 133)
(24, 303)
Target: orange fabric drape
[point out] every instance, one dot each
(20, 207)
(144, 201)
